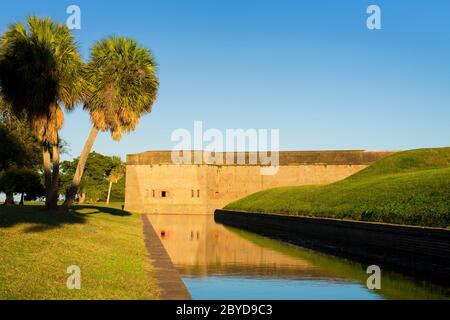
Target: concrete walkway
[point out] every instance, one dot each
(170, 282)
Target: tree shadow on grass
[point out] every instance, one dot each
(36, 215)
(93, 209)
(41, 220)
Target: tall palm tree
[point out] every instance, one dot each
(122, 86)
(117, 172)
(40, 70)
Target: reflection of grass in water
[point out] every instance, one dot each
(393, 286)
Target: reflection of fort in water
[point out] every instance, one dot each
(199, 246)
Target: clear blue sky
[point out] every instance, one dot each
(310, 68)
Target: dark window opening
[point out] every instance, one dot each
(164, 194)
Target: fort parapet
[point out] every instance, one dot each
(155, 184)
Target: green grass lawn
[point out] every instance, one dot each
(410, 187)
(36, 247)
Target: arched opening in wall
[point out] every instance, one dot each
(216, 195)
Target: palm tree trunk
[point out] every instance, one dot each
(71, 193)
(109, 192)
(53, 203)
(9, 201)
(47, 173)
(82, 198)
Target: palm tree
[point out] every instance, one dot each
(40, 70)
(117, 172)
(122, 86)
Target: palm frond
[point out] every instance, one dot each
(122, 84)
(41, 69)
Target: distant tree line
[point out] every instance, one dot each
(20, 163)
(103, 175)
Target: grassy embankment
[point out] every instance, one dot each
(36, 247)
(410, 187)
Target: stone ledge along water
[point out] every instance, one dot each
(420, 252)
(170, 283)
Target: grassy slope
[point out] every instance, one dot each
(106, 243)
(410, 187)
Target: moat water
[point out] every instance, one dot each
(218, 262)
